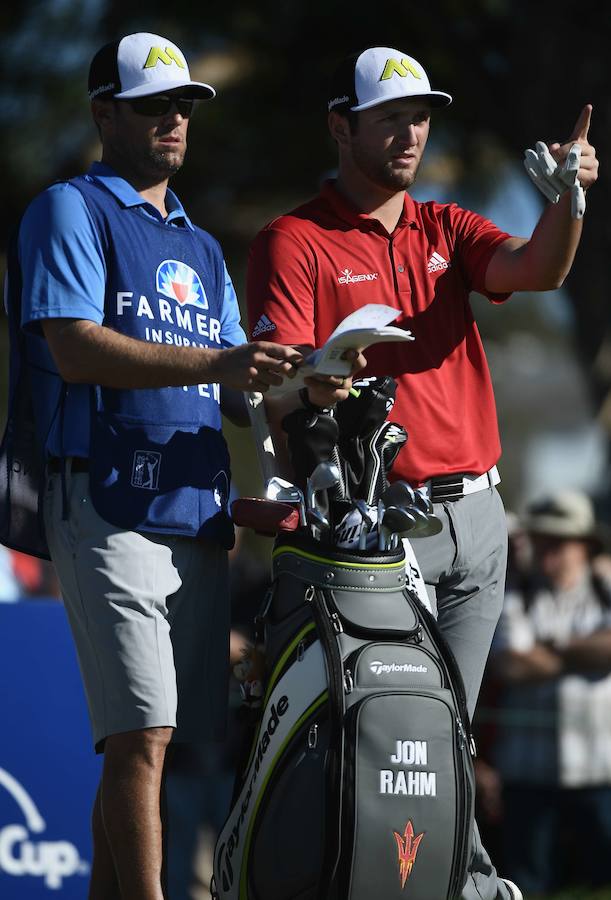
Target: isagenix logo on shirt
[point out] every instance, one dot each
(346, 277)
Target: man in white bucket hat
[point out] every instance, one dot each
(552, 662)
(365, 240)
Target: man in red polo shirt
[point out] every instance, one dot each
(364, 240)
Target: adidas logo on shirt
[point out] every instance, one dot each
(264, 324)
(437, 262)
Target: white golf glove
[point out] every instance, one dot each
(554, 180)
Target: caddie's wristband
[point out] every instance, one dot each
(311, 407)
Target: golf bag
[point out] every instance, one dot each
(359, 778)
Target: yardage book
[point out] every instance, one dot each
(361, 329)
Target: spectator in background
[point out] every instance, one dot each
(519, 552)
(553, 746)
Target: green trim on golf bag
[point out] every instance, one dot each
(359, 781)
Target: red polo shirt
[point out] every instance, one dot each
(312, 267)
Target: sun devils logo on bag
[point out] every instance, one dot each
(407, 846)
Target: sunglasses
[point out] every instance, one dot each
(160, 105)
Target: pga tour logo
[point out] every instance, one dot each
(24, 852)
(381, 668)
(145, 469)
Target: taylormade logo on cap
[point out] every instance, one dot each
(142, 64)
(378, 75)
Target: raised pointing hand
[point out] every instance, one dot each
(582, 125)
(588, 167)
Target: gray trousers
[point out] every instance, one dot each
(464, 570)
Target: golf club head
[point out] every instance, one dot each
(325, 476)
(276, 485)
(381, 450)
(422, 501)
(427, 523)
(278, 488)
(399, 520)
(399, 493)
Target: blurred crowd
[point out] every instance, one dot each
(543, 724)
(544, 718)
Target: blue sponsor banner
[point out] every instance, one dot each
(48, 770)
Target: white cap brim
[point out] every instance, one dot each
(197, 89)
(435, 98)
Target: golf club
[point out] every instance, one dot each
(325, 476)
(285, 491)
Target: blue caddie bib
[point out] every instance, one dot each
(158, 459)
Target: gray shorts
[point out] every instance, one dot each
(150, 618)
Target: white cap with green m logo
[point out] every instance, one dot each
(142, 64)
(377, 75)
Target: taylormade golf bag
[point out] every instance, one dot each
(359, 782)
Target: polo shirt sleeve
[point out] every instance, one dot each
(61, 259)
(477, 240)
(280, 287)
(232, 332)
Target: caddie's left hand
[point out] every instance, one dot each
(588, 163)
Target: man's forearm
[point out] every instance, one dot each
(591, 653)
(540, 663)
(94, 354)
(549, 254)
(541, 263)
(87, 353)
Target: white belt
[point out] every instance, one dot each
(474, 483)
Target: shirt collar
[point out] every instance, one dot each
(129, 196)
(346, 210)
